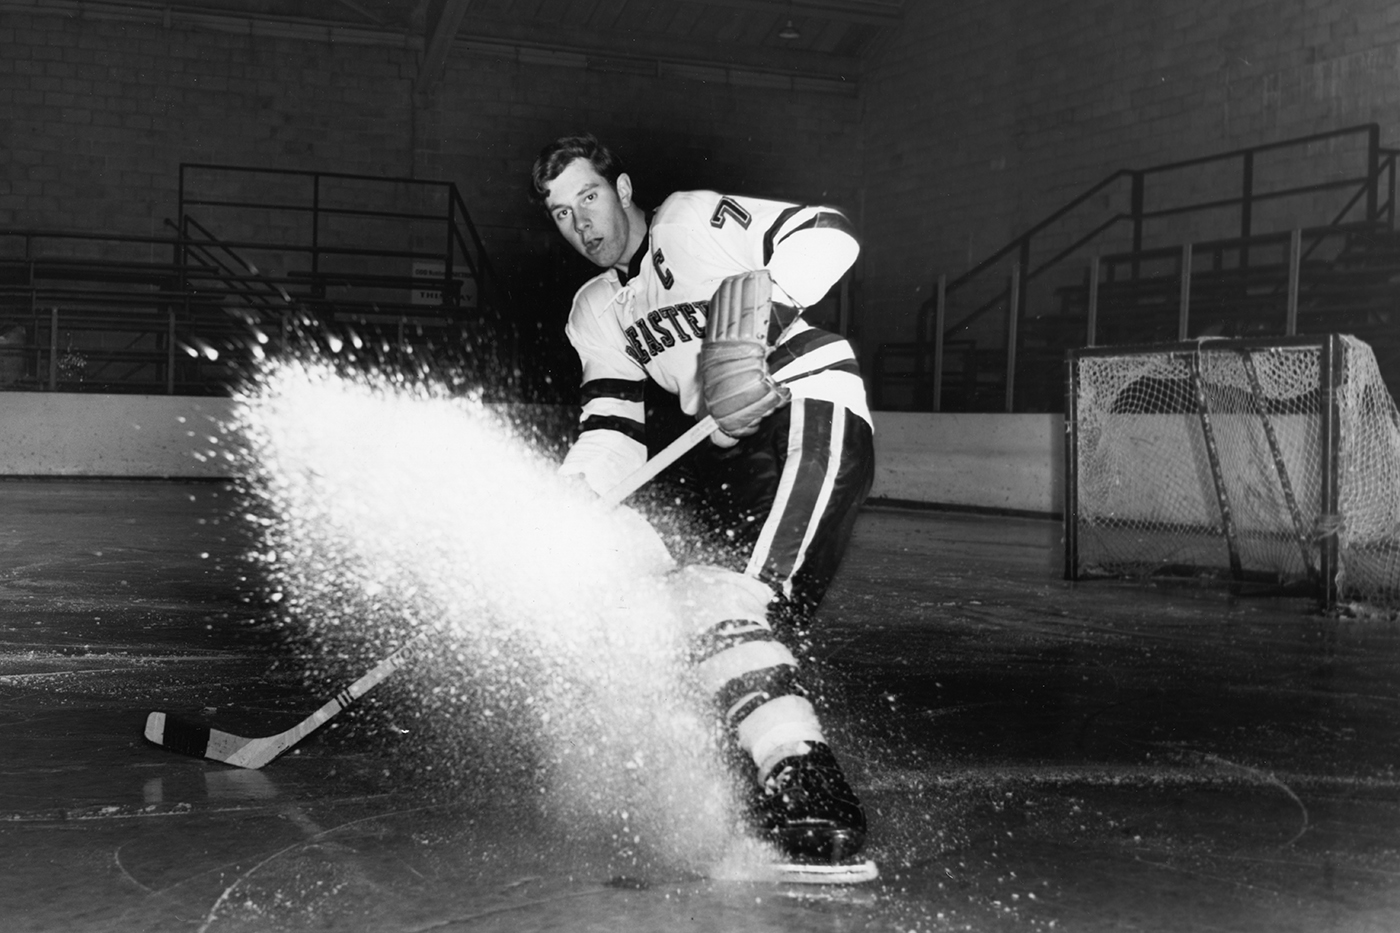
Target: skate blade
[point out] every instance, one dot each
(858, 871)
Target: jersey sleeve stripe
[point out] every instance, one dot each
(625, 426)
(835, 220)
(831, 357)
(626, 390)
(820, 219)
(800, 345)
(826, 220)
(770, 238)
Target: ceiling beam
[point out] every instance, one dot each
(352, 5)
(640, 46)
(438, 43)
(876, 12)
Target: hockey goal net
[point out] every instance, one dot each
(1273, 461)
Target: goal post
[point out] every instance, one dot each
(1271, 461)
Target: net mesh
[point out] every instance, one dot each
(1368, 533)
(1224, 474)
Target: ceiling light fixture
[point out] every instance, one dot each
(789, 32)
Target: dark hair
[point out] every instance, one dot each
(555, 157)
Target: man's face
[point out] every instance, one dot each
(590, 213)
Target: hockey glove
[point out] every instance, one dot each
(734, 378)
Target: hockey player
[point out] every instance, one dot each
(705, 296)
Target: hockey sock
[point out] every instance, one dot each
(754, 680)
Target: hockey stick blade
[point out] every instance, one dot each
(191, 738)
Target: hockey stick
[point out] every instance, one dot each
(673, 452)
(192, 738)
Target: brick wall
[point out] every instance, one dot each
(972, 122)
(979, 120)
(97, 114)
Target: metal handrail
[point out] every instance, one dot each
(462, 236)
(158, 334)
(31, 233)
(163, 307)
(1227, 243)
(1139, 175)
(1379, 206)
(1015, 244)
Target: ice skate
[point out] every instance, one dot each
(806, 809)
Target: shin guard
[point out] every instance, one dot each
(753, 677)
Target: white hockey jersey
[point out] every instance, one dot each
(651, 321)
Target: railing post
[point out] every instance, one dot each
(1247, 198)
(1138, 197)
(182, 253)
(447, 257)
(1390, 192)
(170, 354)
(53, 348)
(181, 256)
(34, 318)
(1247, 208)
(940, 315)
(1295, 262)
(1373, 170)
(1184, 301)
(1385, 168)
(1013, 310)
(1092, 324)
(316, 222)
